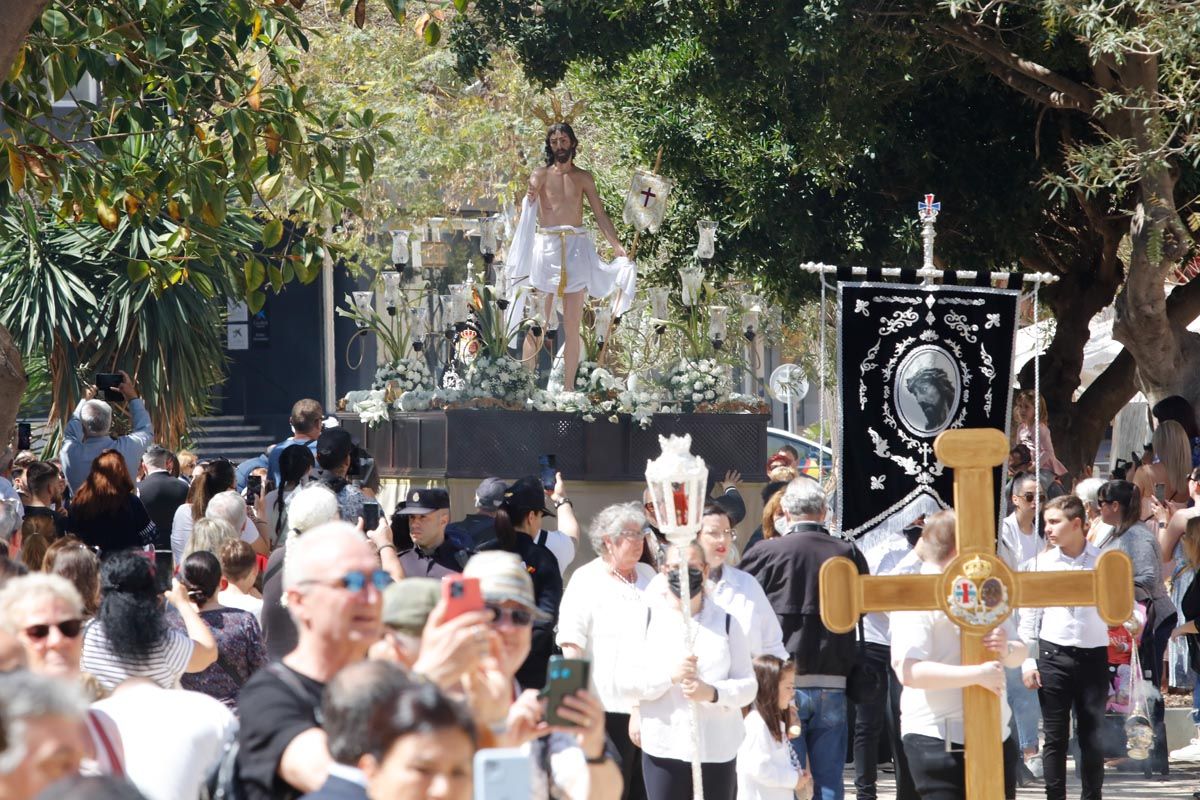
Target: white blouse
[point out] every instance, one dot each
(723, 662)
(766, 769)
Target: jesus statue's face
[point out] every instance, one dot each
(562, 147)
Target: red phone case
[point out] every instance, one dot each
(461, 596)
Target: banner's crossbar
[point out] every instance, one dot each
(926, 273)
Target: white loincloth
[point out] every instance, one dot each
(536, 256)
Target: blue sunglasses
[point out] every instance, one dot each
(356, 580)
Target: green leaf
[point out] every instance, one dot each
(396, 8)
(255, 274)
(272, 233)
(269, 186)
(137, 270)
(461, 5)
(55, 23)
(433, 33)
(255, 301)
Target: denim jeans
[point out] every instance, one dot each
(822, 745)
(1025, 710)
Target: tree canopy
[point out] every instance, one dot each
(1060, 137)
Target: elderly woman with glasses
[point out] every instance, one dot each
(45, 614)
(602, 603)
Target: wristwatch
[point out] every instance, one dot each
(566, 501)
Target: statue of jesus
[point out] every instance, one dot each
(564, 262)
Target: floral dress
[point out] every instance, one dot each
(240, 645)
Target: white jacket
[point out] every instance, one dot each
(765, 770)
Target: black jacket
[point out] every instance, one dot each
(162, 495)
(788, 567)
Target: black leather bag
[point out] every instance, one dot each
(863, 684)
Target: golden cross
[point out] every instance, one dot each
(977, 591)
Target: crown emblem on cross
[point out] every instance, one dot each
(977, 568)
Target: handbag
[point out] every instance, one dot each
(1139, 733)
(863, 683)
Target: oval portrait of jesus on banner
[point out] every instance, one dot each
(927, 390)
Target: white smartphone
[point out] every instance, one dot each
(503, 773)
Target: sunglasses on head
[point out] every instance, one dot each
(356, 580)
(69, 628)
(515, 616)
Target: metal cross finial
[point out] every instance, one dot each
(928, 210)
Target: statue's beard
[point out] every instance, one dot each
(563, 156)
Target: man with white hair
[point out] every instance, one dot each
(88, 434)
(334, 590)
(42, 735)
(788, 568)
(310, 508)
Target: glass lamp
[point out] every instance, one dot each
(718, 325)
(487, 237)
(399, 248)
(604, 320)
(692, 278)
(659, 308)
(706, 247)
(460, 301)
(364, 302)
(435, 228)
(419, 320)
(391, 290)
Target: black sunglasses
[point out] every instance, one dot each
(69, 628)
(1029, 496)
(517, 616)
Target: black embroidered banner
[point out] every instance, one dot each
(913, 361)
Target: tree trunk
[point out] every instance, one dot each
(12, 386)
(17, 16)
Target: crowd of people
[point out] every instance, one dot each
(174, 629)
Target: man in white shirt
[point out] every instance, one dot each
(893, 554)
(1071, 671)
(602, 606)
(1020, 540)
(927, 657)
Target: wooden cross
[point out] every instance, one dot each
(977, 591)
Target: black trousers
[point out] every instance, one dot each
(905, 788)
(617, 727)
(1073, 678)
(669, 779)
(941, 775)
(869, 721)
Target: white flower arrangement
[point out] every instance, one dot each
(703, 381)
(373, 409)
(403, 375)
(504, 379)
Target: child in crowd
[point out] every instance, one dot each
(1023, 415)
(767, 766)
(239, 573)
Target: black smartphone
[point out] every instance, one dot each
(565, 676)
(548, 469)
(107, 383)
(370, 515)
(24, 436)
(164, 570)
(253, 488)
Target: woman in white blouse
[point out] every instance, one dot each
(708, 663)
(736, 591)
